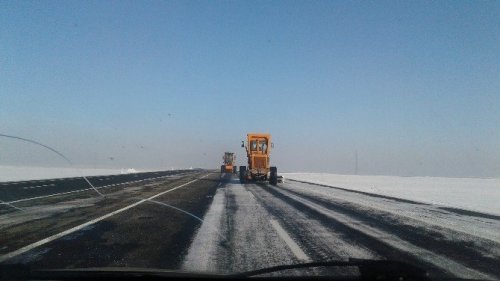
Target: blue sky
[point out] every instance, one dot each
(412, 86)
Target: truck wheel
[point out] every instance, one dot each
(243, 172)
(273, 176)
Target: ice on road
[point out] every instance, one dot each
(236, 235)
(256, 225)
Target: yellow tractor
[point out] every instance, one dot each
(228, 166)
(258, 148)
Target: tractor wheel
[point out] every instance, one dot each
(222, 169)
(273, 177)
(243, 174)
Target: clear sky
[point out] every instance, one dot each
(412, 86)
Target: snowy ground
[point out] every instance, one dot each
(251, 226)
(236, 235)
(15, 173)
(476, 194)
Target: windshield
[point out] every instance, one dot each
(231, 136)
(263, 146)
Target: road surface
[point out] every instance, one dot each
(202, 221)
(26, 190)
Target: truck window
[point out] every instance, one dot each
(253, 145)
(263, 146)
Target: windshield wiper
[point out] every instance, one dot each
(369, 270)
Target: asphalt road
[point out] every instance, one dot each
(202, 221)
(25, 190)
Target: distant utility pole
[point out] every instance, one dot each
(356, 162)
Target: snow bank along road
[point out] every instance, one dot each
(245, 226)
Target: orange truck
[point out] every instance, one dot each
(258, 148)
(228, 166)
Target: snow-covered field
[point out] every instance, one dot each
(475, 194)
(15, 173)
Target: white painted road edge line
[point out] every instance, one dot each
(79, 190)
(296, 250)
(78, 227)
(46, 196)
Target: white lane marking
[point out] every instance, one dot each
(74, 191)
(46, 196)
(10, 205)
(31, 187)
(78, 227)
(251, 195)
(36, 186)
(296, 250)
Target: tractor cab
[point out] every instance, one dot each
(228, 166)
(258, 149)
(259, 146)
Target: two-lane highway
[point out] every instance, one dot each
(205, 221)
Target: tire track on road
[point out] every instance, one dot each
(383, 242)
(474, 252)
(318, 241)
